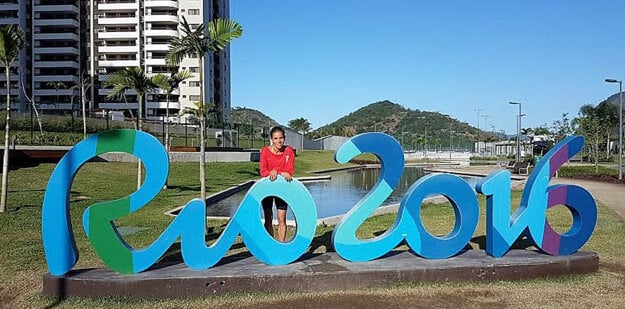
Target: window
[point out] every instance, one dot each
(194, 84)
(194, 98)
(193, 12)
(194, 69)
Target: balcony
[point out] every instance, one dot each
(118, 20)
(9, 7)
(56, 64)
(173, 19)
(56, 8)
(157, 47)
(163, 105)
(9, 21)
(118, 35)
(56, 22)
(162, 33)
(12, 76)
(161, 4)
(155, 61)
(53, 92)
(118, 63)
(3, 91)
(56, 50)
(53, 78)
(118, 105)
(61, 106)
(118, 49)
(118, 6)
(56, 36)
(103, 91)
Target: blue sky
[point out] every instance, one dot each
(323, 59)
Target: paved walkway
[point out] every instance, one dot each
(608, 194)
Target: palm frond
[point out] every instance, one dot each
(129, 78)
(11, 42)
(162, 81)
(192, 42)
(223, 31)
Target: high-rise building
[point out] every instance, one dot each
(74, 41)
(56, 53)
(17, 13)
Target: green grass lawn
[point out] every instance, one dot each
(22, 262)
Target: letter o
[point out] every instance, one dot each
(466, 210)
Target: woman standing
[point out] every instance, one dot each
(276, 159)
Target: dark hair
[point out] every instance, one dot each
(276, 129)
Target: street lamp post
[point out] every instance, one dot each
(425, 140)
(518, 132)
(477, 149)
(620, 125)
(485, 130)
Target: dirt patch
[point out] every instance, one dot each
(613, 268)
(470, 299)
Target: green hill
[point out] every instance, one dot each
(398, 121)
(243, 115)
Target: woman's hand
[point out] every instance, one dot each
(273, 175)
(286, 176)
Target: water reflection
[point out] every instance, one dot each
(335, 196)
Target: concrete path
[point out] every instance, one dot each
(609, 194)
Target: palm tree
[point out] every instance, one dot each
(200, 42)
(169, 84)
(132, 78)
(11, 43)
(82, 83)
(56, 86)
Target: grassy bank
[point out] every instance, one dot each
(22, 261)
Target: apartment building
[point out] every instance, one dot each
(18, 13)
(130, 33)
(56, 54)
(73, 40)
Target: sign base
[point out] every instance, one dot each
(315, 273)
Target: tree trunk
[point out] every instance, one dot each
(5, 158)
(597, 155)
(202, 126)
(607, 147)
(83, 98)
(139, 170)
(167, 136)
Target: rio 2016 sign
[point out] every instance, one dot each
(502, 228)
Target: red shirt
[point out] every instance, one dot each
(284, 162)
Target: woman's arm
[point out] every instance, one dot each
(289, 166)
(264, 168)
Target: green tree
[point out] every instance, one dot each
(11, 43)
(56, 86)
(200, 42)
(300, 125)
(562, 127)
(135, 79)
(608, 115)
(589, 125)
(195, 112)
(82, 84)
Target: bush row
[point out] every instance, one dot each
(54, 123)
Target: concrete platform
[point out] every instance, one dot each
(315, 273)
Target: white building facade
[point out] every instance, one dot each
(69, 41)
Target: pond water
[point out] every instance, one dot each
(337, 195)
